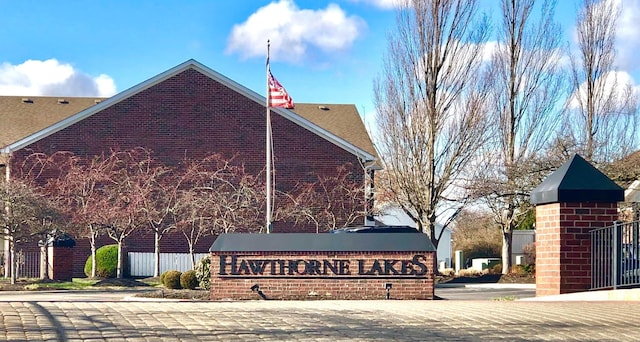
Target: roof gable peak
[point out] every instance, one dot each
(201, 68)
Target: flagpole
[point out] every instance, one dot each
(268, 149)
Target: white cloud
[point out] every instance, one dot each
(294, 32)
(628, 34)
(614, 82)
(384, 4)
(488, 50)
(558, 56)
(52, 78)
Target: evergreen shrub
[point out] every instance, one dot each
(172, 279)
(203, 272)
(107, 262)
(162, 275)
(188, 280)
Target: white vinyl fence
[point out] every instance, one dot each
(141, 264)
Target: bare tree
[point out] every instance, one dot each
(235, 194)
(526, 85)
(27, 216)
(193, 219)
(216, 197)
(161, 184)
(430, 102)
(120, 207)
(603, 108)
(237, 205)
(475, 235)
(78, 189)
(330, 202)
(51, 226)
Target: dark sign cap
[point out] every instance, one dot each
(324, 242)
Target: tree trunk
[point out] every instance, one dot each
(92, 242)
(193, 257)
(433, 236)
(156, 255)
(6, 259)
(507, 236)
(13, 263)
(119, 269)
(44, 261)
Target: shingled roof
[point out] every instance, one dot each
(342, 120)
(21, 117)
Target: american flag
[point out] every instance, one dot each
(278, 96)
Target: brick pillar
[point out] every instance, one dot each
(61, 263)
(569, 204)
(60, 251)
(563, 244)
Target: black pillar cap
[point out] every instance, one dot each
(577, 181)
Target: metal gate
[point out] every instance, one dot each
(27, 264)
(615, 252)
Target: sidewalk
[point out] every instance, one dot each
(629, 295)
(381, 320)
(602, 295)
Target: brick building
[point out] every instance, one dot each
(187, 111)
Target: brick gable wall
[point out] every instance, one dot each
(191, 115)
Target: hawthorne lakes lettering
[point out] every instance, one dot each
(233, 265)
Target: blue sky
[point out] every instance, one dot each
(322, 51)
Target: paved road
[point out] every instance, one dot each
(320, 321)
(459, 292)
(478, 292)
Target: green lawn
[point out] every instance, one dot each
(76, 284)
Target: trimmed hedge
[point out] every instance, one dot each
(188, 280)
(172, 279)
(162, 275)
(107, 262)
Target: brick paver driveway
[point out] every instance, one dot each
(320, 321)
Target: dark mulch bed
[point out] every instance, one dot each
(122, 282)
(159, 293)
(518, 278)
(177, 294)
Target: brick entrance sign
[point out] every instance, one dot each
(569, 204)
(322, 266)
